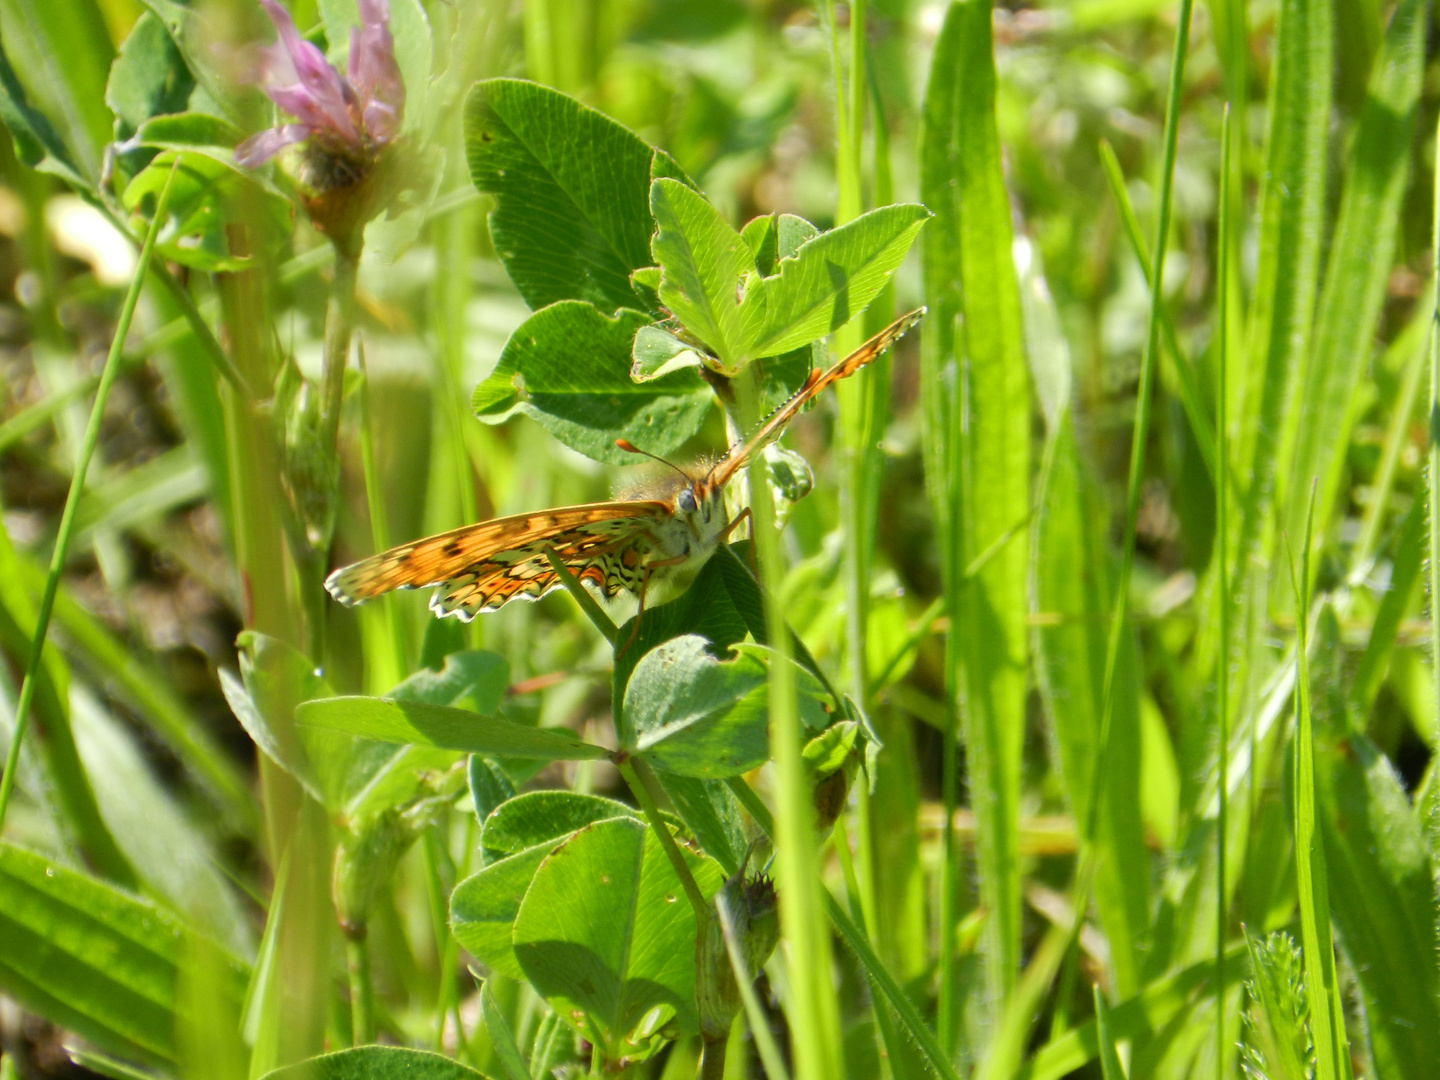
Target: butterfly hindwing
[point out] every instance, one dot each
(609, 563)
(497, 559)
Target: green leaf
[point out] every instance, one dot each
(710, 811)
(483, 907)
(1362, 251)
(194, 43)
(274, 676)
(972, 242)
(722, 605)
(775, 237)
(605, 929)
(36, 142)
(377, 1063)
(571, 187)
(568, 368)
(1074, 577)
(475, 676)
(207, 195)
(501, 1039)
(62, 55)
(1383, 900)
(148, 78)
(451, 729)
(1110, 1066)
(541, 816)
(1292, 212)
(707, 273)
(65, 779)
(188, 129)
(657, 352)
(694, 715)
(832, 278)
(1158, 1005)
(92, 959)
(489, 785)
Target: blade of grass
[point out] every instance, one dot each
(1326, 1015)
(987, 646)
(1432, 453)
(1184, 372)
(1412, 342)
(1362, 250)
(1222, 536)
(1292, 208)
(1110, 1067)
(1119, 615)
(72, 500)
(813, 1010)
(880, 978)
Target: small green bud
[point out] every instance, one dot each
(755, 922)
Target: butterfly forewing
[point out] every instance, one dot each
(480, 567)
(774, 424)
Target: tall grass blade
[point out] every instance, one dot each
(72, 499)
(1222, 579)
(988, 613)
(1321, 988)
(1292, 206)
(1361, 255)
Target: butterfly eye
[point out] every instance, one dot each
(686, 501)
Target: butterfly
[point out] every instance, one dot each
(624, 545)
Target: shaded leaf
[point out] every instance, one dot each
(568, 368)
(207, 195)
(695, 715)
(483, 907)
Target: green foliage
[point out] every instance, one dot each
(95, 959)
(550, 805)
(568, 367)
(376, 1063)
(601, 930)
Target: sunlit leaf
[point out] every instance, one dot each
(605, 928)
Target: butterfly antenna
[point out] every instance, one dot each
(631, 448)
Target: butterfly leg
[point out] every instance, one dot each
(725, 533)
(650, 568)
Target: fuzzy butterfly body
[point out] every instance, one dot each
(622, 546)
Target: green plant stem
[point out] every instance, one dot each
(1222, 533)
(72, 500)
(1432, 459)
(770, 1058)
(880, 978)
(362, 990)
(1320, 987)
(814, 1011)
(640, 786)
(1142, 425)
(588, 604)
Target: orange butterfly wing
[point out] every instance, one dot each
(481, 567)
(815, 382)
